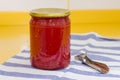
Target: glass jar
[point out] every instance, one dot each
(50, 38)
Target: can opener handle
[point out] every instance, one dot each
(101, 67)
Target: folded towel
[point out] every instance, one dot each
(99, 48)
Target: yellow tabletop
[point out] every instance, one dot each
(12, 39)
(14, 28)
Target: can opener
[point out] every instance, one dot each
(101, 67)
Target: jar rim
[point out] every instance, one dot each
(49, 12)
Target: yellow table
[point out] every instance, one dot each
(12, 39)
(14, 28)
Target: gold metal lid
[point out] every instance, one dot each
(50, 12)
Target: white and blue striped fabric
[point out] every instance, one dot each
(99, 48)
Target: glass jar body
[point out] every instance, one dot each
(50, 42)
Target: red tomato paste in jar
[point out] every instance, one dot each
(50, 38)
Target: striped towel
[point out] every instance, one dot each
(99, 48)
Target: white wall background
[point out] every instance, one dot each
(25, 5)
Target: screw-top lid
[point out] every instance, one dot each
(50, 12)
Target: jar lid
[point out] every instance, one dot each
(50, 12)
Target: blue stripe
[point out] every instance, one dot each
(100, 47)
(25, 51)
(93, 36)
(76, 52)
(76, 63)
(85, 37)
(89, 45)
(73, 52)
(108, 39)
(92, 56)
(102, 58)
(16, 65)
(29, 66)
(114, 66)
(88, 73)
(26, 75)
(21, 57)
